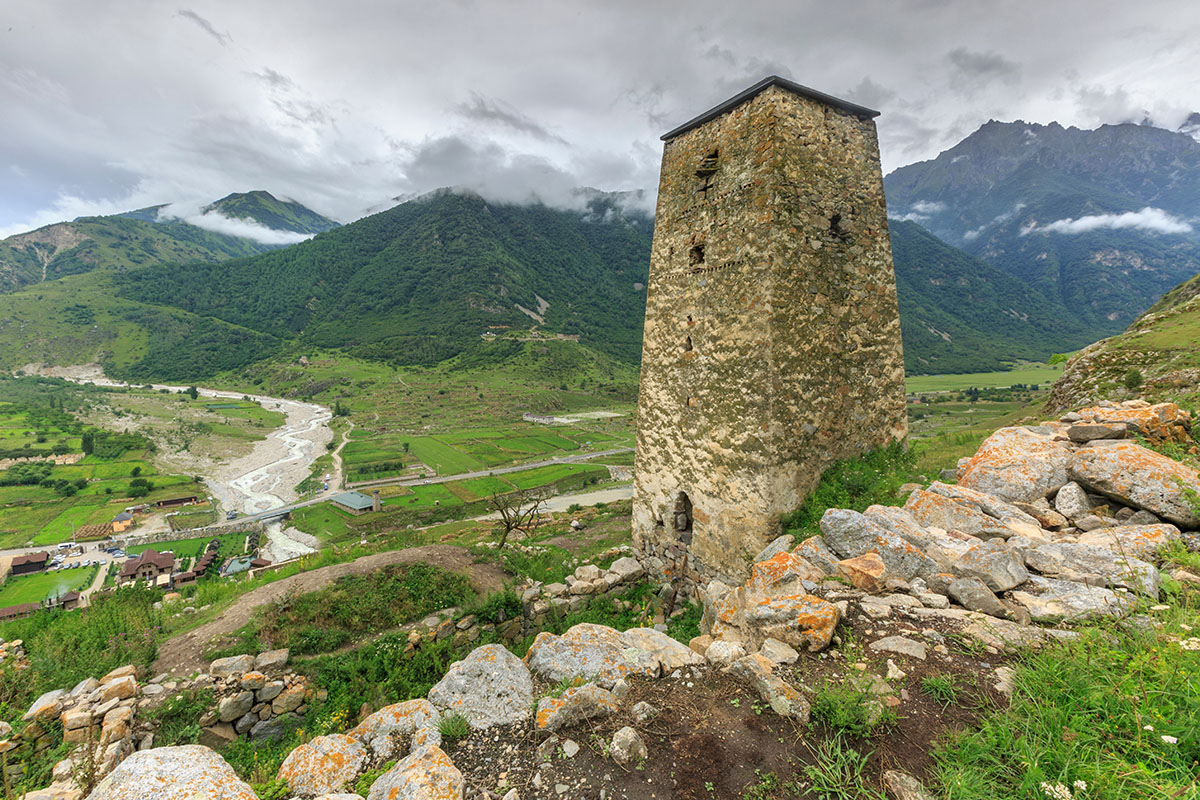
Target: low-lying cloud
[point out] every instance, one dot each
(920, 211)
(217, 222)
(1148, 219)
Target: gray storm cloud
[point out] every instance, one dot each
(519, 101)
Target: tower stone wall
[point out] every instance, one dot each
(772, 337)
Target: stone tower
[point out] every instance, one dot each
(772, 341)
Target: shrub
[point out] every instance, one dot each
(1133, 379)
(855, 483)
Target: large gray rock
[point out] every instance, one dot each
(1051, 600)
(1017, 464)
(575, 705)
(994, 563)
(594, 652)
(779, 545)
(974, 595)
(628, 569)
(271, 660)
(268, 729)
(944, 547)
(671, 655)
(1072, 501)
(489, 687)
(1096, 566)
(1134, 541)
(1139, 477)
(232, 667)
(851, 534)
(816, 551)
(234, 706)
(173, 773)
(46, 708)
(323, 765)
(426, 774)
(901, 645)
(932, 510)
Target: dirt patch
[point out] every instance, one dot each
(184, 654)
(714, 738)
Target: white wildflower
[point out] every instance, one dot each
(1170, 740)
(1185, 627)
(1147, 727)
(1190, 644)
(1160, 607)
(1056, 791)
(1080, 786)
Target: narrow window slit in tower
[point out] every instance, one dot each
(687, 345)
(696, 256)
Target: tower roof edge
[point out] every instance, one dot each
(771, 80)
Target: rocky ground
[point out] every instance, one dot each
(894, 621)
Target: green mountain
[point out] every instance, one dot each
(451, 276)
(432, 279)
(265, 209)
(1096, 220)
(960, 314)
(140, 238)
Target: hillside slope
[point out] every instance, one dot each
(960, 314)
(426, 280)
(144, 237)
(1096, 220)
(1159, 348)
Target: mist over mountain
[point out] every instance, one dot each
(1099, 221)
(239, 224)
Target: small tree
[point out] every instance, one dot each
(192, 392)
(1133, 380)
(519, 511)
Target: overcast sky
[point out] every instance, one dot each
(109, 106)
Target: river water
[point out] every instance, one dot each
(265, 477)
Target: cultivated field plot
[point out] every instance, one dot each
(36, 588)
(391, 455)
(1031, 374)
(231, 544)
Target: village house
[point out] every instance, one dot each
(29, 564)
(147, 567)
(122, 522)
(356, 502)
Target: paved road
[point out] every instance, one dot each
(462, 476)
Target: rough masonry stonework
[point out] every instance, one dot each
(772, 338)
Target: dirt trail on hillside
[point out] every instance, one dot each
(184, 654)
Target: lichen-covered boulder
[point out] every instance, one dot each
(866, 572)
(851, 534)
(1016, 520)
(1072, 501)
(1052, 600)
(173, 773)
(815, 550)
(46, 708)
(595, 652)
(575, 705)
(417, 719)
(427, 774)
(670, 654)
(782, 573)
(1141, 478)
(489, 687)
(627, 747)
(1017, 464)
(1160, 422)
(784, 699)
(323, 765)
(805, 622)
(1136, 541)
(994, 563)
(932, 510)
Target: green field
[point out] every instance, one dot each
(1040, 374)
(231, 544)
(35, 588)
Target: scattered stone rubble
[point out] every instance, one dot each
(1052, 523)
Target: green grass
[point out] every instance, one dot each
(542, 476)
(1094, 711)
(35, 588)
(1027, 374)
(324, 521)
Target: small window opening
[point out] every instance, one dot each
(689, 319)
(710, 163)
(696, 256)
(835, 224)
(682, 518)
(687, 345)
